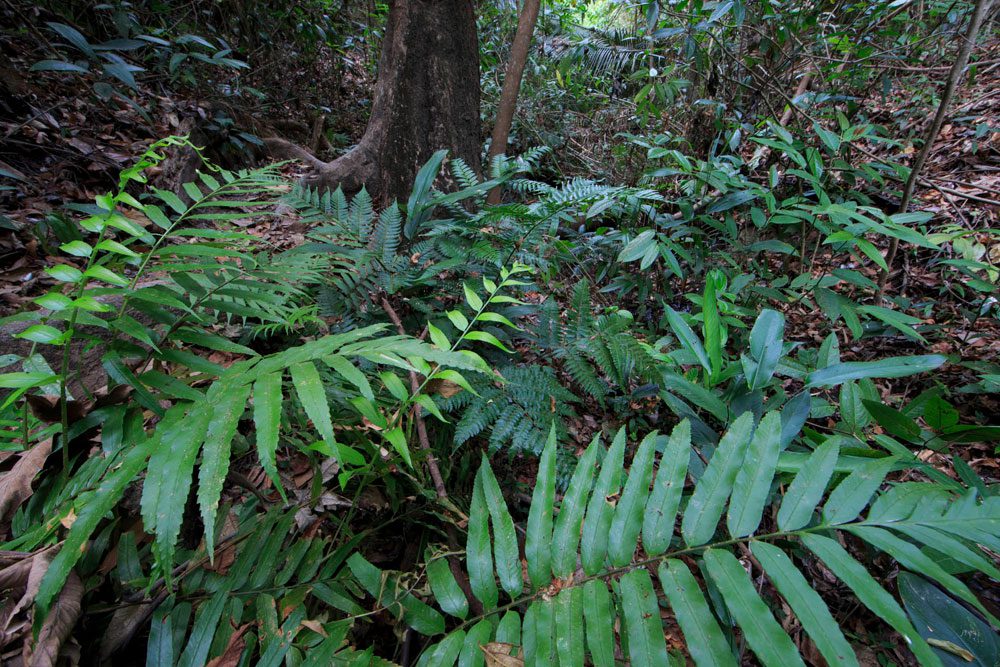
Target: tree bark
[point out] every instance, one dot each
(426, 98)
(512, 84)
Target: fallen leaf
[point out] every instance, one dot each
(15, 484)
(234, 650)
(498, 655)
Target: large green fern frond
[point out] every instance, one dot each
(630, 558)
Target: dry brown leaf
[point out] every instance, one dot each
(234, 649)
(498, 655)
(125, 622)
(57, 626)
(15, 484)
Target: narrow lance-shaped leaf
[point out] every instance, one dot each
(765, 346)
(808, 606)
(478, 553)
(569, 626)
(762, 632)
(479, 635)
(646, 645)
(627, 522)
(600, 621)
(753, 481)
(226, 406)
(538, 540)
(891, 367)
(267, 421)
(661, 513)
(688, 338)
(447, 592)
(706, 643)
(310, 390)
(566, 535)
(709, 498)
(806, 490)
(505, 548)
(600, 509)
(855, 491)
(171, 468)
(873, 596)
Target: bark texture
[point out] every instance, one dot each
(426, 99)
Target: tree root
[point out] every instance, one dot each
(355, 169)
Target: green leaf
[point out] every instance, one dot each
(761, 631)
(807, 489)
(646, 645)
(485, 337)
(505, 548)
(766, 341)
(267, 422)
(397, 439)
(312, 395)
(893, 421)
(42, 333)
(566, 535)
(569, 626)
(855, 491)
(395, 597)
(753, 481)
(873, 596)
(350, 372)
(600, 622)
(688, 338)
(537, 634)
(226, 405)
(600, 509)
(91, 507)
(808, 606)
(661, 513)
(478, 554)
(712, 326)
(77, 249)
(479, 635)
(627, 522)
(538, 537)
(438, 337)
(168, 479)
(65, 273)
(702, 634)
(106, 275)
(472, 298)
(709, 498)
(446, 651)
(394, 385)
(891, 367)
(938, 617)
(458, 319)
(25, 380)
(58, 66)
(445, 587)
(206, 623)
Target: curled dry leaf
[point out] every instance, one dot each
(234, 649)
(498, 655)
(15, 484)
(57, 626)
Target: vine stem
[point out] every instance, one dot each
(967, 41)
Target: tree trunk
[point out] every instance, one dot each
(512, 83)
(426, 99)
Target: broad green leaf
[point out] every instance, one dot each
(471, 298)
(766, 341)
(106, 275)
(168, 479)
(753, 481)
(42, 333)
(891, 367)
(687, 337)
(444, 653)
(646, 646)
(761, 631)
(485, 337)
(600, 622)
(538, 537)
(705, 642)
(509, 628)
(855, 491)
(660, 514)
(808, 606)
(628, 513)
(566, 535)
(267, 422)
(807, 489)
(712, 326)
(312, 395)
(938, 617)
(868, 591)
(505, 548)
(478, 553)
(709, 498)
(226, 406)
(600, 509)
(569, 626)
